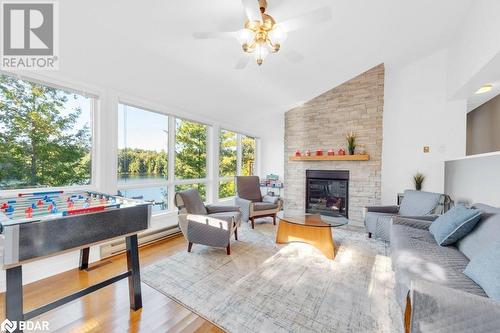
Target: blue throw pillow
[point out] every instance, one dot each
(484, 269)
(454, 224)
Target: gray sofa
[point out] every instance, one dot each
(431, 288)
(415, 204)
(211, 225)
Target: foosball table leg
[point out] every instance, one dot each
(84, 258)
(14, 295)
(134, 280)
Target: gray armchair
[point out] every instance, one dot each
(210, 225)
(251, 202)
(415, 204)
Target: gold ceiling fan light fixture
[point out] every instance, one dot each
(261, 37)
(262, 34)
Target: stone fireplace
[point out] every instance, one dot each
(322, 123)
(327, 192)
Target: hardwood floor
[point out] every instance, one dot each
(107, 310)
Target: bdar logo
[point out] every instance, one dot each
(8, 326)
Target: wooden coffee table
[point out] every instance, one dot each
(313, 229)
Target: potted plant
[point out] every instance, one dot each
(351, 142)
(418, 180)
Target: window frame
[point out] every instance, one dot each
(95, 122)
(239, 159)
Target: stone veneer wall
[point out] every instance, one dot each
(321, 123)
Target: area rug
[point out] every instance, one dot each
(265, 287)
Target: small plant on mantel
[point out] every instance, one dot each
(351, 142)
(418, 180)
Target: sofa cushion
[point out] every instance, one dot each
(415, 255)
(454, 224)
(257, 206)
(484, 233)
(418, 203)
(484, 269)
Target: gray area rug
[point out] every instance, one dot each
(265, 287)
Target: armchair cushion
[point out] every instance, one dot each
(191, 201)
(257, 206)
(270, 199)
(211, 209)
(234, 216)
(248, 188)
(418, 203)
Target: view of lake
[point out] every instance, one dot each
(158, 194)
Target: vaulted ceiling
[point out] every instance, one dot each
(146, 48)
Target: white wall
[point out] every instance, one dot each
(416, 114)
(272, 147)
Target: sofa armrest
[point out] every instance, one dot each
(428, 218)
(212, 209)
(411, 222)
(383, 209)
(435, 308)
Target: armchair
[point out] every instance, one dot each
(211, 225)
(415, 204)
(251, 202)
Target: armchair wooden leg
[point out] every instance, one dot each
(253, 222)
(274, 219)
(236, 233)
(190, 245)
(369, 235)
(228, 249)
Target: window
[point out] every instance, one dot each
(247, 155)
(236, 157)
(190, 150)
(142, 145)
(199, 186)
(45, 135)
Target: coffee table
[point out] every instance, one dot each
(313, 229)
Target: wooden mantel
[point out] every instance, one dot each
(365, 157)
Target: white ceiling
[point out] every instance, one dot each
(146, 48)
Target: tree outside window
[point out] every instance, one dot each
(247, 155)
(190, 150)
(45, 135)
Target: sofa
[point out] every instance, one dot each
(415, 204)
(211, 225)
(431, 288)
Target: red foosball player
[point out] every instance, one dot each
(29, 212)
(4, 206)
(39, 203)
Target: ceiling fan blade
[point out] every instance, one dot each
(212, 35)
(242, 62)
(314, 17)
(292, 55)
(252, 10)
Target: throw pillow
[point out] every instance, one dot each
(484, 269)
(454, 224)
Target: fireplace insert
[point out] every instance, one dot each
(327, 192)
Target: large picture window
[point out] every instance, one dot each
(45, 135)
(190, 150)
(236, 157)
(142, 145)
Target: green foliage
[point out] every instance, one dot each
(200, 187)
(142, 162)
(190, 150)
(247, 155)
(40, 146)
(227, 189)
(227, 154)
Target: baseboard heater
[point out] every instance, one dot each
(144, 238)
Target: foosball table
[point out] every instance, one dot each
(38, 225)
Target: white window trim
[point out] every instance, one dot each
(95, 121)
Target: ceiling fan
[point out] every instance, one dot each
(262, 35)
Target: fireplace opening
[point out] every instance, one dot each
(327, 192)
